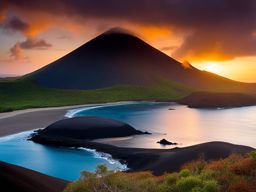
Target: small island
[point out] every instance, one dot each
(166, 142)
(84, 128)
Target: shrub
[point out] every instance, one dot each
(239, 185)
(172, 178)
(102, 170)
(216, 165)
(165, 187)
(186, 184)
(244, 166)
(210, 186)
(253, 155)
(207, 174)
(184, 173)
(195, 166)
(233, 174)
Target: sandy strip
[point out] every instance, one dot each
(29, 119)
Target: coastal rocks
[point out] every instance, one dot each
(84, 128)
(165, 142)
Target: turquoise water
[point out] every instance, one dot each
(65, 163)
(181, 124)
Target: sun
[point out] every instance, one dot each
(212, 67)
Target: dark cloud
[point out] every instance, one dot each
(2, 12)
(220, 27)
(15, 24)
(17, 50)
(35, 44)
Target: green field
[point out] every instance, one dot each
(19, 94)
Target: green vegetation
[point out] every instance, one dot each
(20, 94)
(236, 173)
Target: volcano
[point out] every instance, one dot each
(117, 57)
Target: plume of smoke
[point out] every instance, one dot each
(186, 64)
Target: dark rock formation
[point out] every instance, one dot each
(85, 128)
(165, 142)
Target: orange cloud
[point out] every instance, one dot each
(235, 19)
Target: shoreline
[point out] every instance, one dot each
(35, 118)
(158, 161)
(99, 155)
(68, 107)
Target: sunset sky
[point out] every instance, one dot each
(214, 35)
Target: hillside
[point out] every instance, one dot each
(119, 58)
(236, 173)
(14, 178)
(22, 94)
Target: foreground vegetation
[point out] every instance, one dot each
(19, 94)
(234, 174)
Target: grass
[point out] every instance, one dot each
(20, 94)
(235, 173)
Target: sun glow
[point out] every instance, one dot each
(212, 67)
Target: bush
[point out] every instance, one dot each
(244, 166)
(210, 186)
(184, 173)
(187, 184)
(207, 174)
(172, 178)
(195, 166)
(239, 185)
(253, 155)
(233, 174)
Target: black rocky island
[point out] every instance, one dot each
(84, 128)
(166, 142)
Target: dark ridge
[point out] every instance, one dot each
(85, 128)
(159, 161)
(218, 100)
(117, 57)
(17, 179)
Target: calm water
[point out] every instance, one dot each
(182, 125)
(65, 163)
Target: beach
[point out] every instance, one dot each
(29, 119)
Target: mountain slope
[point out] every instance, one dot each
(115, 58)
(14, 178)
